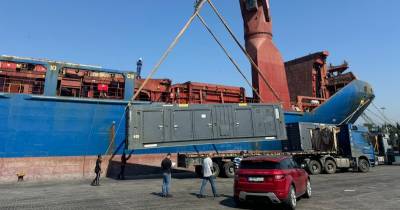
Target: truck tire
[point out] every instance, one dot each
(291, 201)
(330, 167)
(199, 170)
(216, 169)
(314, 167)
(229, 169)
(363, 165)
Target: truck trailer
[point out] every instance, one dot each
(193, 131)
(316, 147)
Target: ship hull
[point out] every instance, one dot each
(56, 137)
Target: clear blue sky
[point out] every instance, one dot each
(114, 34)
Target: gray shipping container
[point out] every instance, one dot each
(160, 125)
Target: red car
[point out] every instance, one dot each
(273, 179)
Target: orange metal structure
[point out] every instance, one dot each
(28, 78)
(22, 78)
(156, 90)
(311, 81)
(78, 82)
(259, 44)
(201, 93)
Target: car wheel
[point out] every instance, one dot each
(363, 165)
(291, 201)
(308, 192)
(330, 167)
(314, 167)
(229, 169)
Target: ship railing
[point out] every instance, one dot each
(21, 86)
(91, 91)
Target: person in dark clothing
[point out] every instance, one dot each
(166, 166)
(123, 164)
(98, 171)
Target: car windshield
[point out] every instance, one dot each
(259, 165)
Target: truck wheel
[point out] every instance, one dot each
(199, 171)
(330, 167)
(291, 201)
(363, 165)
(215, 169)
(229, 169)
(314, 167)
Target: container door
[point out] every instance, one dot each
(264, 121)
(270, 121)
(153, 126)
(182, 128)
(243, 126)
(203, 127)
(223, 121)
(258, 122)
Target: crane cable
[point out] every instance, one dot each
(379, 117)
(367, 119)
(229, 56)
(198, 7)
(264, 78)
(382, 114)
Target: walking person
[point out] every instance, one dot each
(121, 175)
(98, 171)
(166, 166)
(238, 159)
(208, 177)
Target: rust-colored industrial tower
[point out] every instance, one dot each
(258, 36)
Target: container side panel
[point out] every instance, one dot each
(203, 128)
(243, 125)
(182, 127)
(153, 126)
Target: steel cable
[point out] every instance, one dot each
(228, 55)
(198, 7)
(171, 46)
(264, 78)
(382, 114)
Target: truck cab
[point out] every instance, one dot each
(326, 147)
(355, 143)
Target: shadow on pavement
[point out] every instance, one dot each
(228, 202)
(139, 171)
(159, 194)
(207, 196)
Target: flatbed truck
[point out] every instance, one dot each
(317, 147)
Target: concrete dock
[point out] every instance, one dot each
(378, 189)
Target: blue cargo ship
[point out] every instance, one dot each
(50, 129)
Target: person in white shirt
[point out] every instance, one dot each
(208, 176)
